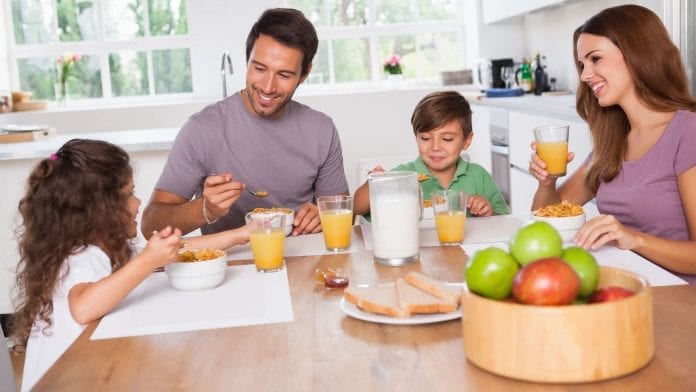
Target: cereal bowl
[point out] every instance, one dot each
(289, 216)
(565, 217)
(200, 269)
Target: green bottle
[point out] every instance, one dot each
(523, 76)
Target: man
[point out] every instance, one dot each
(258, 137)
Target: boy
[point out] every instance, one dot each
(442, 125)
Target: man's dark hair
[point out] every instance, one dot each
(289, 27)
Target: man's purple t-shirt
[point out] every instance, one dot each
(294, 158)
(644, 196)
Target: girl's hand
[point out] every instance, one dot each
(604, 229)
(479, 205)
(162, 248)
(537, 168)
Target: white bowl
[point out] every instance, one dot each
(289, 216)
(567, 226)
(197, 275)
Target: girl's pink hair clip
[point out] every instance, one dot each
(53, 156)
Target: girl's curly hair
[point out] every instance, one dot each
(73, 199)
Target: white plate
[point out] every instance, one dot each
(355, 312)
(24, 128)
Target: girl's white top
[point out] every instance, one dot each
(89, 265)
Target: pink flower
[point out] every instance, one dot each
(394, 60)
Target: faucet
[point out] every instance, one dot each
(225, 67)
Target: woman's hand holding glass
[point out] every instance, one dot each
(537, 167)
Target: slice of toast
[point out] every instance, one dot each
(413, 300)
(375, 299)
(435, 287)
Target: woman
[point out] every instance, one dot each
(635, 98)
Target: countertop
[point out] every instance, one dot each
(552, 105)
(154, 139)
(132, 140)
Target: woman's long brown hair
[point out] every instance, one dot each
(73, 199)
(657, 71)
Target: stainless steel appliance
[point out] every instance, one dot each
(500, 151)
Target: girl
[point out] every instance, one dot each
(76, 259)
(635, 98)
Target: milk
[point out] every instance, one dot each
(395, 226)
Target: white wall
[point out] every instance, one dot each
(550, 31)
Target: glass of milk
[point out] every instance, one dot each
(396, 210)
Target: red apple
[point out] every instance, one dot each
(549, 281)
(611, 293)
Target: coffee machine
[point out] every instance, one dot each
(496, 66)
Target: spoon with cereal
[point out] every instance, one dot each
(258, 193)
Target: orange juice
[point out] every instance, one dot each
(267, 248)
(337, 225)
(450, 226)
(555, 155)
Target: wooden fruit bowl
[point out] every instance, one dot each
(566, 344)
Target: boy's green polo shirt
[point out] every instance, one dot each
(469, 177)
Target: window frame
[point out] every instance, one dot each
(373, 31)
(100, 47)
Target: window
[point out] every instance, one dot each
(358, 36)
(127, 48)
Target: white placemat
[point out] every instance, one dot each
(245, 297)
(610, 256)
(478, 230)
(301, 245)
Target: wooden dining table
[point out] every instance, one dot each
(326, 350)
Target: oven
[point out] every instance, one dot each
(500, 151)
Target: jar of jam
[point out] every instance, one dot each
(332, 278)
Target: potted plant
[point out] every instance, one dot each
(393, 65)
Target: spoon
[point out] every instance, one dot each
(258, 193)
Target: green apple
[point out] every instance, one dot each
(490, 273)
(536, 240)
(585, 266)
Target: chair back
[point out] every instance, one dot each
(388, 163)
(7, 377)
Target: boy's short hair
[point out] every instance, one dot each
(439, 108)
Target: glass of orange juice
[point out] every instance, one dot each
(267, 238)
(336, 214)
(552, 148)
(449, 207)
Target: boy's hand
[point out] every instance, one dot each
(479, 206)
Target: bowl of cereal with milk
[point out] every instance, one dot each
(566, 217)
(197, 269)
(289, 215)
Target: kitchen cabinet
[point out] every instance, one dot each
(522, 184)
(497, 10)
